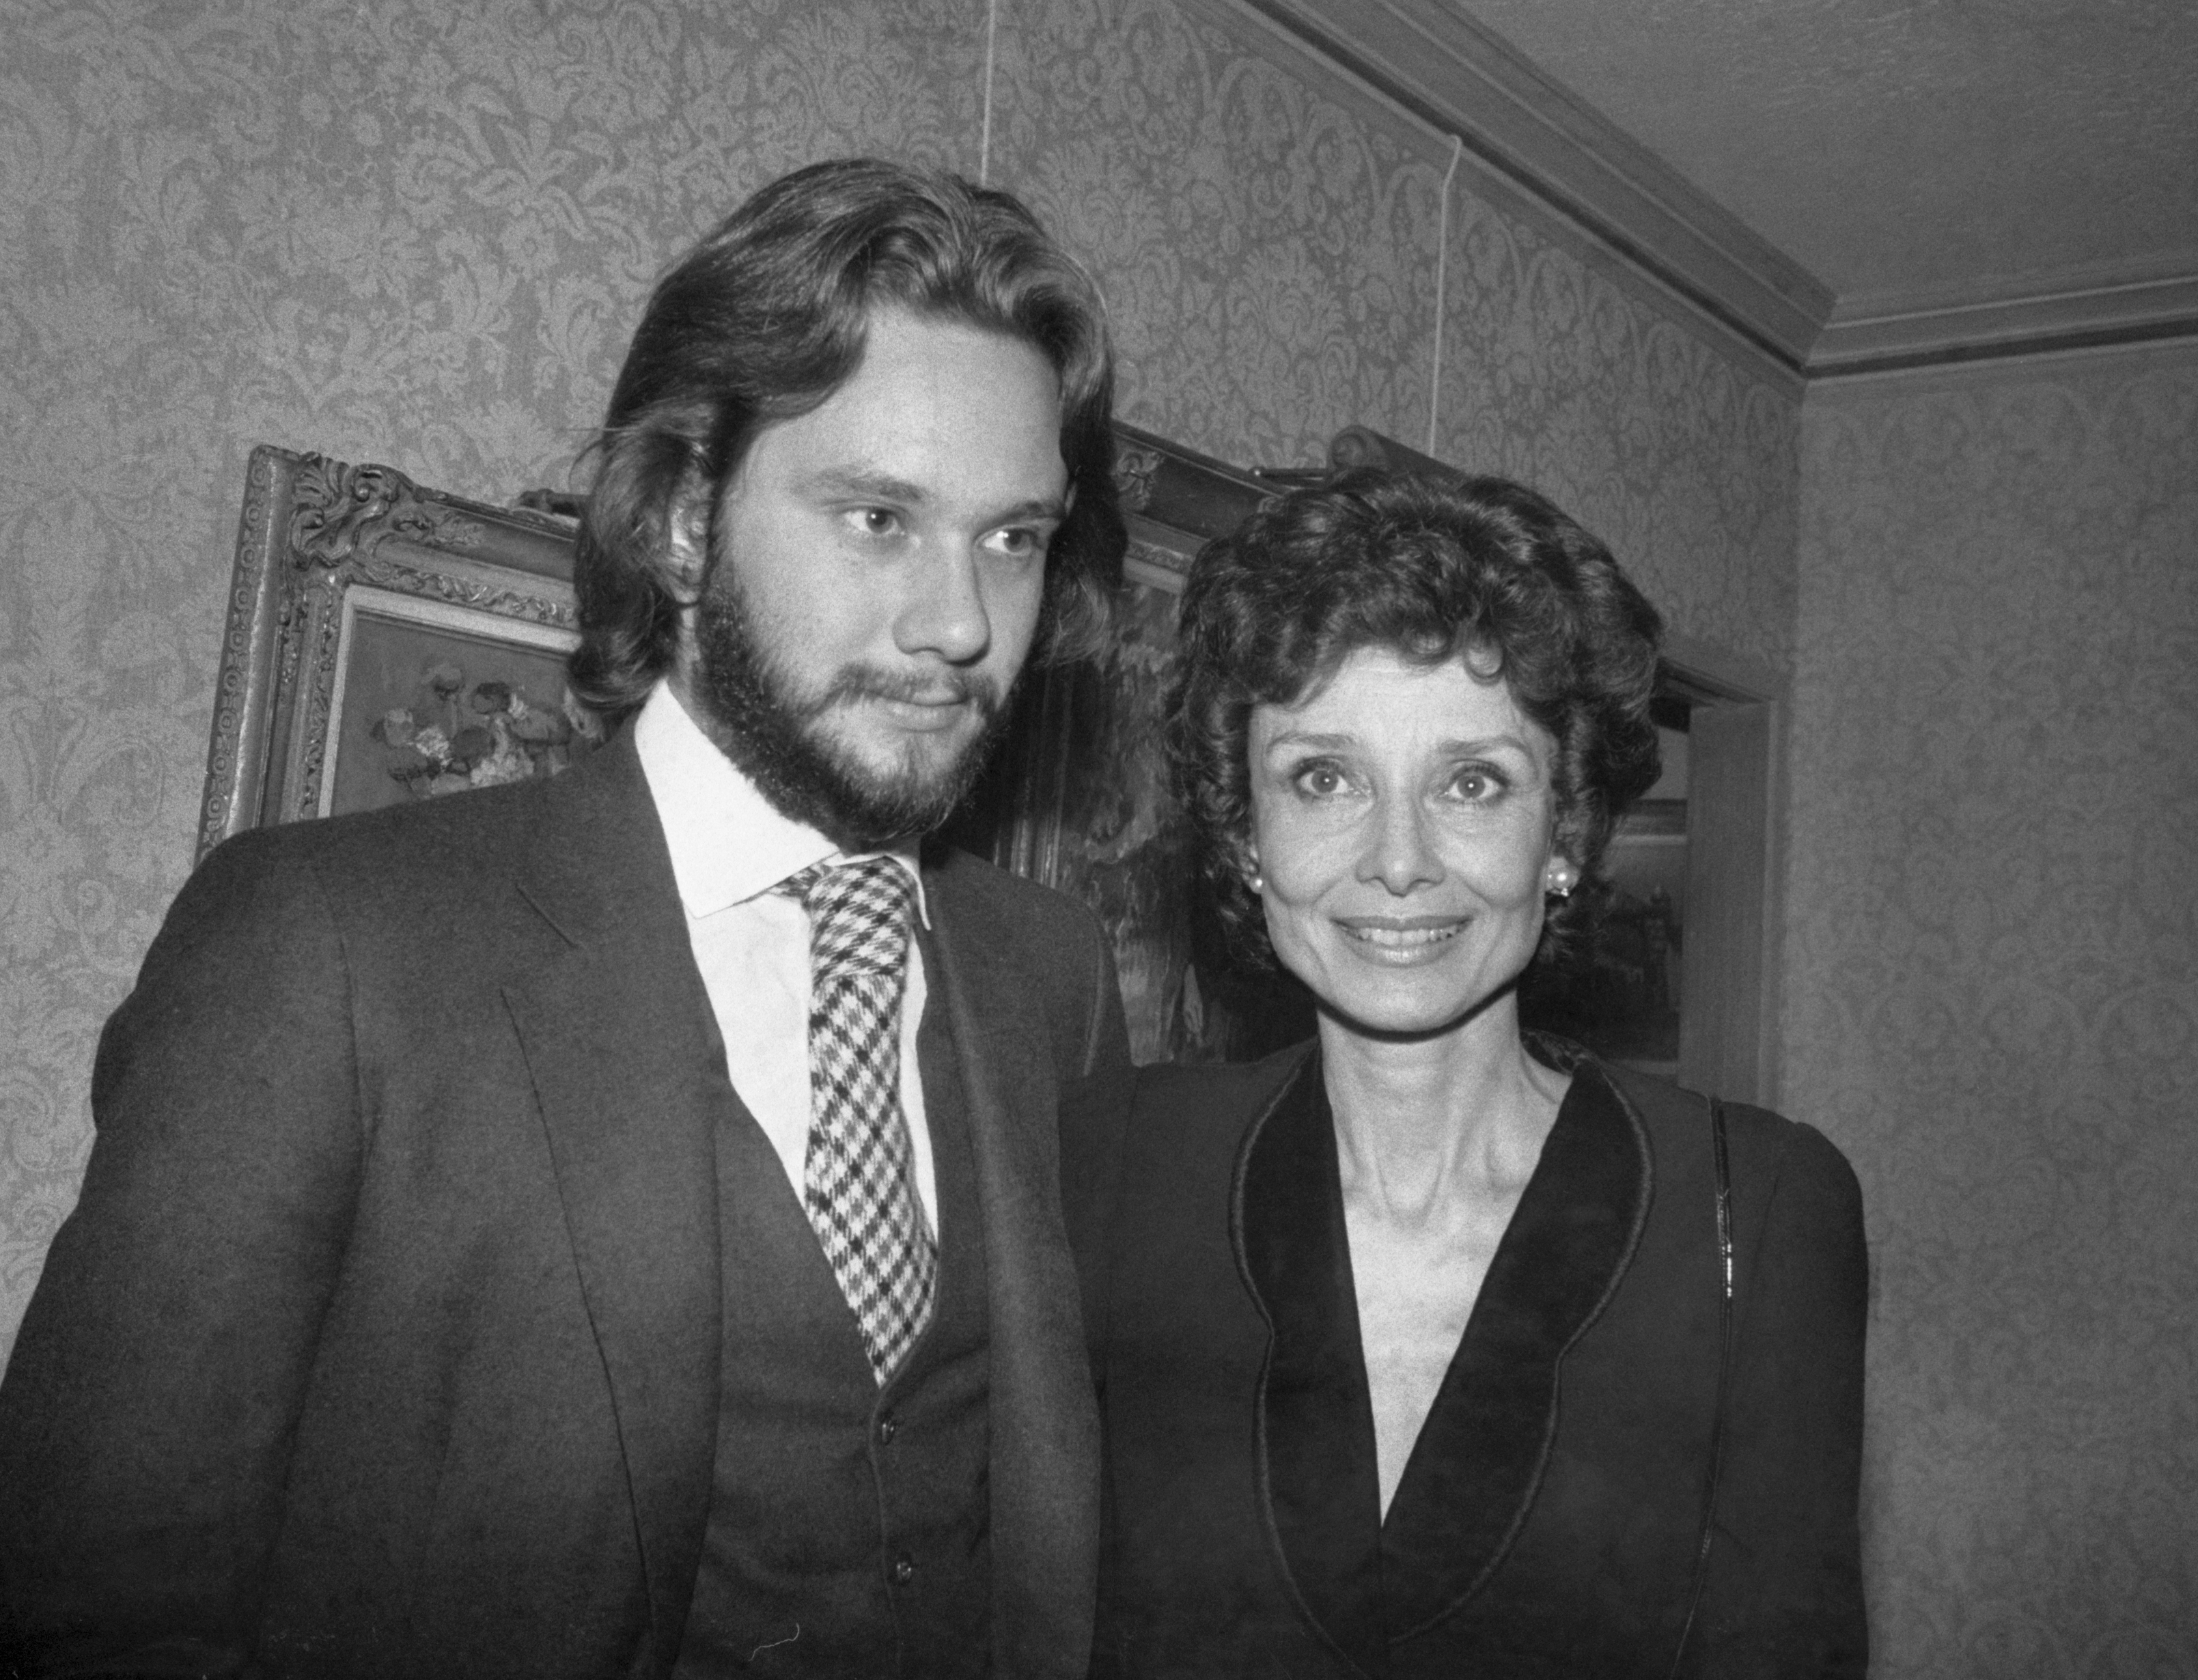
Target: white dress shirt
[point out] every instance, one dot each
(730, 847)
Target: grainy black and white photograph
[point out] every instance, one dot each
(1099, 840)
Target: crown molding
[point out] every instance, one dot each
(1459, 78)
(2093, 309)
(1449, 72)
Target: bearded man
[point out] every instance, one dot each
(610, 1226)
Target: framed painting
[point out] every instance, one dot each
(385, 643)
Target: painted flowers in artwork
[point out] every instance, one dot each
(458, 735)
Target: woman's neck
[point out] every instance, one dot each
(1419, 1120)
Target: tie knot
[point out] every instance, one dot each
(859, 916)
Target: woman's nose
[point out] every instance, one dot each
(1400, 853)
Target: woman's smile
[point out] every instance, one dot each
(1401, 819)
(1400, 940)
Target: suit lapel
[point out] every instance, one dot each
(1473, 1476)
(628, 1070)
(1314, 1421)
(1471, 1479)
(1044, 1421)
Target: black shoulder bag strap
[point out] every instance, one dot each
(1725, 1369)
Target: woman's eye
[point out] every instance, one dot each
(1319, 781)
(1478, 783)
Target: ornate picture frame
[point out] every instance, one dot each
(384, 642)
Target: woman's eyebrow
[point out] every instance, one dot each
(1331, 743)
(1323, 742)
(1487, 743)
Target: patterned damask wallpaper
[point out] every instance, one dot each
(1991, 991)
(1267, 237)
(401, 231)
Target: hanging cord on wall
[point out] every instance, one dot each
(985, 141)
(1442, 268)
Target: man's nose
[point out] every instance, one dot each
(945, 613)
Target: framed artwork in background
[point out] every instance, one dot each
(384, 642)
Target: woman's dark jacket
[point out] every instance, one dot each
(1550, 1519)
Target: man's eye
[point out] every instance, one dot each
(875, 521)
(1018, 542)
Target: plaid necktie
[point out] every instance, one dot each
(859, 1175)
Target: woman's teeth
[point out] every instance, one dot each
(1401, 939)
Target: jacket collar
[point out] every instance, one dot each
(629, 1075)
(1471, 1480)
(1042, 1416)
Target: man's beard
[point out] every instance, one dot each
(776, 734)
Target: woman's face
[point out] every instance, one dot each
(1402, 818)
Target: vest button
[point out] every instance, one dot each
(903, 1571)
(888, 1428)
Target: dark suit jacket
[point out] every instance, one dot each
(385, 1337)
(1550, 1521)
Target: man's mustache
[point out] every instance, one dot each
(945, 688)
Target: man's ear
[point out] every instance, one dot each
(687, 543)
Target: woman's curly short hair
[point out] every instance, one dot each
(1433, 569)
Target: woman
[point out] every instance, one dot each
(1417, 1350)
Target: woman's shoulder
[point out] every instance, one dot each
(1673, 1112)
(1173, 1126)
(1784, 1173)
(1186, 1121)
(1146, 1202)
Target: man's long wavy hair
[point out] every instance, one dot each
(768, 316)
(1434, 570)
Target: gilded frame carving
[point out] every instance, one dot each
(324, 548)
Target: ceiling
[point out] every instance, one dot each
(1908, 154)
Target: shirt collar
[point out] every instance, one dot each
(729, 843)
